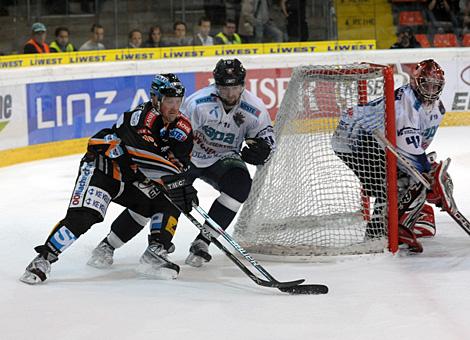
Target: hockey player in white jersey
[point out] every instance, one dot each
(223, 116)
(418, 113)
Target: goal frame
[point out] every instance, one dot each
(361, 73)
(390, 134)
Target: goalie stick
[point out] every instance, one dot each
(456, 214)
(291, 287)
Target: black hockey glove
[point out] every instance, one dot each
(256, 152)
(180, 191)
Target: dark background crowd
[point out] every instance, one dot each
(46, 26)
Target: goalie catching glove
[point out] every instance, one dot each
(256, 152)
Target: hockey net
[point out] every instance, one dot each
(305, 201)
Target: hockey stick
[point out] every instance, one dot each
(456, 214)
(292, 287)
(386, 144)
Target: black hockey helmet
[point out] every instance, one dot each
(167, 85)
(229, 72)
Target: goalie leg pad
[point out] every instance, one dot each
(405, 236)
(425, 226)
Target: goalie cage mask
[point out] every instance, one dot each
(427, 80)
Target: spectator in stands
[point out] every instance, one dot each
(97, 36)
(37, 43)
(228, 35)
(4, 7)
(135, 39)
(202, 38)
(406, 38)
(179, 38)
(442, 12)
(255, 17)
(61, 42)
(155, 37)
(295, 12)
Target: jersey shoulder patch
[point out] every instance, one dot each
(206, 99)
(184, 124)
(150, 118)
(249, 108)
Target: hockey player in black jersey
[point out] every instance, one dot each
(223, 115)
(152, 142)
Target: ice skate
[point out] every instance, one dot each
(198, 254)
(154, 263)
(37, 271)
(102, 256)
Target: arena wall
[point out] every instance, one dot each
(49, 111)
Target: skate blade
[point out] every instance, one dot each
(30, 278)
(194, 261)
(156, 273)
(98, 264)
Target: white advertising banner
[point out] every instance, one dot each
(55, 103)
(13, 117)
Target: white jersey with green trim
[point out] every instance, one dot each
(219, 134)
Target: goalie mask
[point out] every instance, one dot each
(427, 80)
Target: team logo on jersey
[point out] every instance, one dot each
(97, 199)
(214, 112)
(178, 134)
(208, 99)
(215, 135)
(150, 119)
(62, 238)
(83, 181)
(250, 109)
(135, 118)
(238, 118)
(183, 125)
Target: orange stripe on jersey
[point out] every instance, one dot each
(155, 158)
(97, 141)
(116, 172)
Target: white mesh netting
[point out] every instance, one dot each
(306, 201)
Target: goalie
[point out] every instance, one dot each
(418, 114)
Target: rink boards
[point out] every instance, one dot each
(64, 104)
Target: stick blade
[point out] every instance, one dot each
(313, 289)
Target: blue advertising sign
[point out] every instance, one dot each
(80, 108)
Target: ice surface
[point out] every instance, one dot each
(371, 297)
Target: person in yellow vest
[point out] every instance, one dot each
(61, 42)
(228, 35)
(37, 43)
